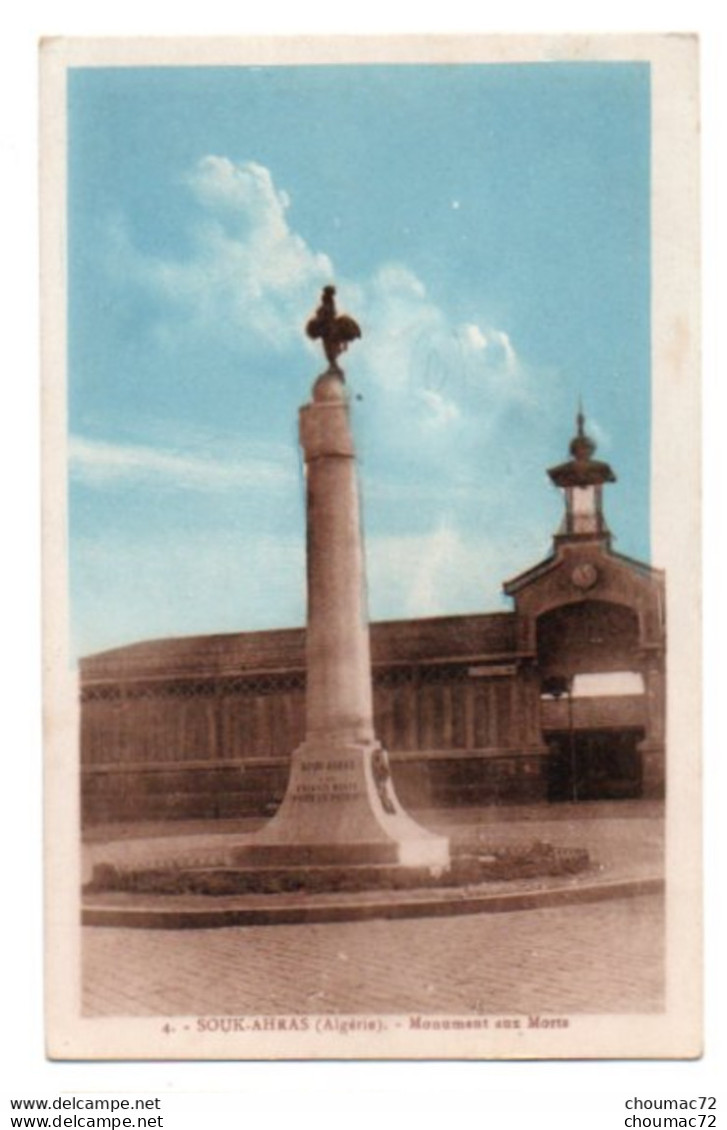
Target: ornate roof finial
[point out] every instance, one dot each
(334, 330)
(581, 469)
(581, 446)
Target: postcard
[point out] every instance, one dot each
(371, 530)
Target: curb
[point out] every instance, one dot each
(355, 908)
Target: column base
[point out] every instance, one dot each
(340, 809)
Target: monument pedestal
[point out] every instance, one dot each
(339, 807)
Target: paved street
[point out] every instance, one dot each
(598, 957)
(591, 957)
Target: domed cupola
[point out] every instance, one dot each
(581, 479)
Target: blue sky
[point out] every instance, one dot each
(488, 226)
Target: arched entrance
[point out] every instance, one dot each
(587, 636)
(592, 701)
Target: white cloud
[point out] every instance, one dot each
(248, 274)
(474, 336)
(444, 551)
(398, 282)
(246, 191)
(440, 410)
(97, 463)
(416, 352)
(252, 280)
(440, 572)
(511, 361)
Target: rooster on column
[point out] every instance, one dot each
(334, 330)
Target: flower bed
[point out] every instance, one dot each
(468, 868)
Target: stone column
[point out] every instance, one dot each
(340, 806)
(339, 704)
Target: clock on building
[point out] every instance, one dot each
(584, 576)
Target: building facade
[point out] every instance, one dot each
(563, 698)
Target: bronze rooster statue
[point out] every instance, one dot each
(334, 330)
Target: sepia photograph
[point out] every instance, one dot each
(371, 541)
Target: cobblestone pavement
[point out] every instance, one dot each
(598, 958)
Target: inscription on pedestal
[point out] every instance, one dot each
(332, 782)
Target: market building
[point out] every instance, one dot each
(562, 698)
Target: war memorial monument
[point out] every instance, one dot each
(340, 826)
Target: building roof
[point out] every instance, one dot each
(583, 473)
(398, 641)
